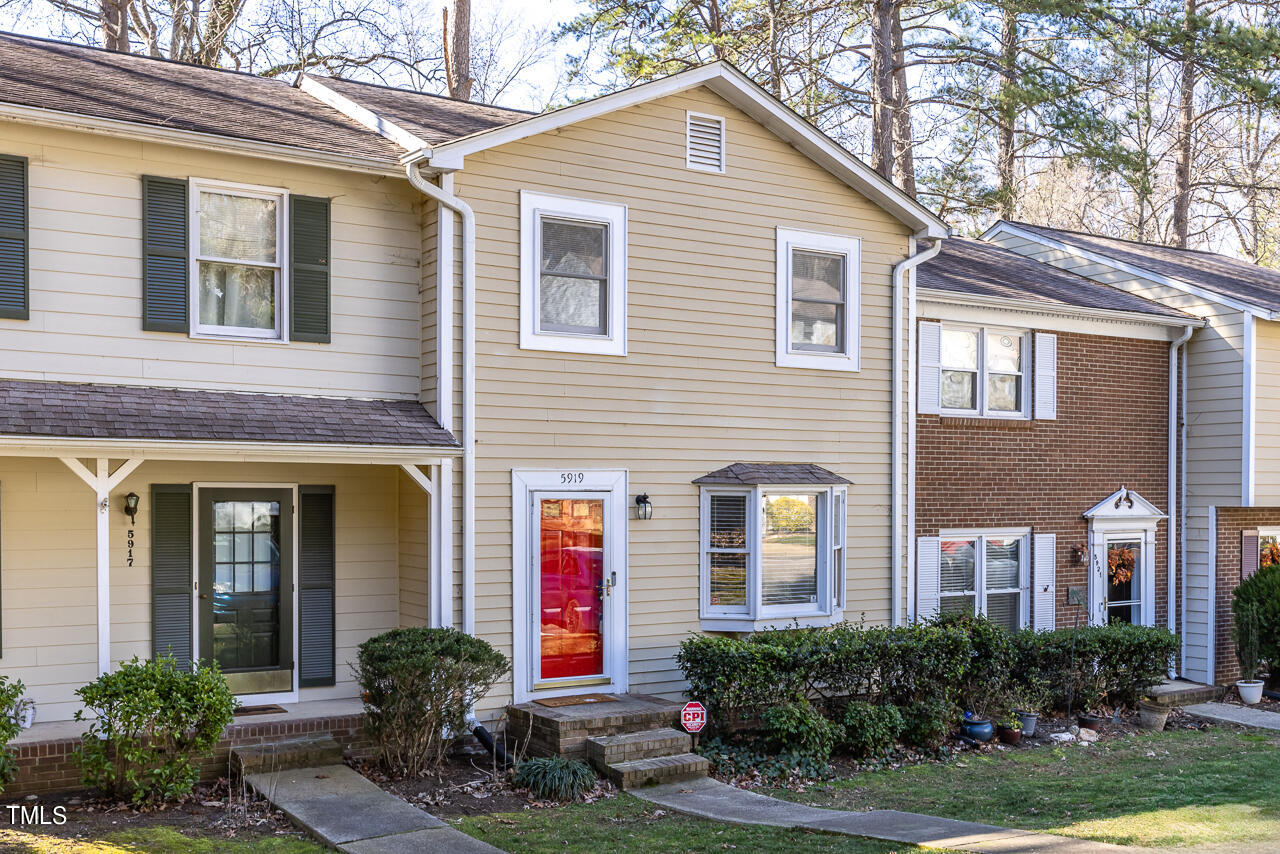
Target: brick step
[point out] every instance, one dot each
(538, 730)
(656, 769)
(306, 752)
(611, 749)
(1177, 692)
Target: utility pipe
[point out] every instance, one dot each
(468, 419)
(1175, 349)
(898, 487)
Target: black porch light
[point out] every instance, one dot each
(644, 508)
(131, 506)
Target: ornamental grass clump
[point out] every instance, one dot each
(555, 778)
(151, 723)
(418, 685)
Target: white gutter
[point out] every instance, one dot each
(463, 210)
(1175, 348)
(222, 450)
(1073, 311)
(899, 523)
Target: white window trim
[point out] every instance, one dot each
(278, 335)
(533, 206)
(790, 239)
(980, 568)
(1023, 414)
(832, 545)
(689, 116)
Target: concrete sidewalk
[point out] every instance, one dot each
(1229, 713)
(344, 810)
(717, 801)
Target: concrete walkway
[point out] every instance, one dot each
(707, 798)
(1228, 713)
(344, 810)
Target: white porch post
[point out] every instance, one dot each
(431, 486)
(102, 482)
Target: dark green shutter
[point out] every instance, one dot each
(309, 269)
(13, 237)
(164, 254)
(171, 576)
(315, 585)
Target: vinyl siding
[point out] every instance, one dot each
(49, 563)
(414, 553)
(698, 388)
(1267, 414)
(1215, 395)
(86, 267)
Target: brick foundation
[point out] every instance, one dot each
(51, 766)
(1111, 430)
(1231, 521)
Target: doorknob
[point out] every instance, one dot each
(204, 595)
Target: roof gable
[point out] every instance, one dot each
(1124, 504)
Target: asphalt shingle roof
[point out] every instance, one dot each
(432, 118)
(92, 411)
(87, 81)
(751, 474)
(1221, 274)
(984, 269)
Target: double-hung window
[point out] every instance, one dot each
(983, 372)
(818, 300)
(986, 572)
(238, 276)
(573, 275)
(772, 554)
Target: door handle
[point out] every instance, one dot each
(204, 595)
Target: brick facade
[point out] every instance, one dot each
(1231, 521)
(51, 766)
(1111, 430)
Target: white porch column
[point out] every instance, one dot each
(102, 482)
(433, 486)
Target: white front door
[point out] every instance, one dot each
(1122, 581)
(569, 542)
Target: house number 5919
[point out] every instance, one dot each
(571, 477)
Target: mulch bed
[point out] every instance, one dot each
(211, 810)
(467, 784)
(1267, 704)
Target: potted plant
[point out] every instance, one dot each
(1089, 721)
(976, 727)
(1151, 714)
(1027, 696)
(1248, 649)
(1010, 730)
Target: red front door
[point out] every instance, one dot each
(571, 586)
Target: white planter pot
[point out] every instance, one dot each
(1250, 691)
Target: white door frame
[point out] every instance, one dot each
(1122, 515)
(611, 484)
(278, 696)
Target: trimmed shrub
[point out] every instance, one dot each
(927, 724)
(10, 697)
(152, 722)
(418, 685)
(555, 778)
(1131, 659)
(871, 730)
(801, 729)
(1092, 665)
(736, 679)
(1262, 591)
(988, 670)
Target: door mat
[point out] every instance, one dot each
(577, 700)
(249, 711)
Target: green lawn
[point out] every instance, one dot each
(151, 840)
(1184, 788)
(628, 824)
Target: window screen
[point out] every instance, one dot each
(727, 550)
(817, 301)
(573, 280)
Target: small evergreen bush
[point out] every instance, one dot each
(418, 685)
(1261, 591)
(927, 724)
(800, 728)
(152, 723)
(871, 730)
(555, 778)
(10, 696)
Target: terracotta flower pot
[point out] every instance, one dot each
(1008, 735)
(1092, 722)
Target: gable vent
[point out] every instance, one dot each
(705, 142)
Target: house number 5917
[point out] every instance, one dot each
(571, 477)
(129, 540)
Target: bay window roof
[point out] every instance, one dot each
(756, 474)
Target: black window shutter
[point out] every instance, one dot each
(309, 268)
(315, 586)
(164, 254)
(171, 575)
(13, 237)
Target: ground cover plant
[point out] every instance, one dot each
(1185, 788)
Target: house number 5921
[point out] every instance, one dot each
(571, 477)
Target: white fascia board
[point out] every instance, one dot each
(383, 127)
(966, 308)
(738, 90)
(223, 451)
(1003, 227)
(195, 139)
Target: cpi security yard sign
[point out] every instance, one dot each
(693, 717)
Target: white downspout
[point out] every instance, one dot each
(1182, 451)
(457, 205)
(1175, 348)
(898, 487)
